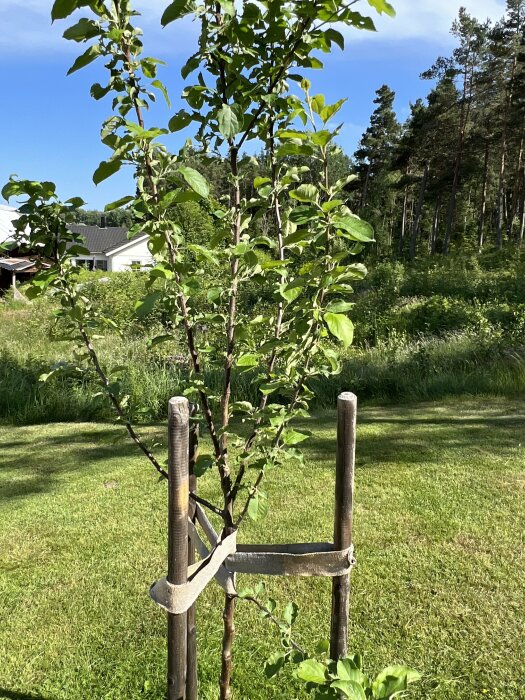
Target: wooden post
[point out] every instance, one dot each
(191, 678)
(178, 502)
(344, 492)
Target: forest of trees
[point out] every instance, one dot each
(454, 174)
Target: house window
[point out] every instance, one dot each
(101, 265)
(136, 265)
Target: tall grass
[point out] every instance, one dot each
(430, 368)
(434, 330)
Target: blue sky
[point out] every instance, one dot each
(50, 125)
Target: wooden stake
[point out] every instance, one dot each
(344, 493)
(178, 503)
(191, 679)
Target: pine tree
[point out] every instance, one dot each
(374, 157)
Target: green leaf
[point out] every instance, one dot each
(106, 169)
(162, 88)
(292, 290)
(350, 689)
(87, 57)
(356, 228)
(322, 138)
(228, 7)
(203, 253)
(393, 679)
(145, 306)
(317, 103)
(322, 647)
(97, 92)
(258, 181)
(359, 21)
(158, 340)
(311, 671)
(228, 122)
(336, 37)
(191, 64)
(202, 464)
(303, 215)
(294, 149)
(248, 360)
(63, 8)
(331, 110)
(383, 7)
(75, 202)
(294, 437)
(305, 193)
(339, 307)
(119, 203)
(83, 30)
(78, 250)
(290, 613)
(196, 181)
(274, 664)
(341, 327)
(332, 204)
(301, 135)
(258, 508)
(356, 271)
(179, 121)
(176, 10)
(347, 671)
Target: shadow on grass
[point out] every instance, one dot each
(404, 434)
(414, 435)
(37, 468)
(13, 695)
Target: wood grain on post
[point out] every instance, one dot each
(178, 504)
(344, 495)
(191, 678)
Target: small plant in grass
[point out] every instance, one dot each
(322, 676)
(248, 57)
(346, 678)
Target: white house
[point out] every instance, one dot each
(8, 215)
(111, 250)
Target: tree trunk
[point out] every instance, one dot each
(483, 203)
(419, 210)
(228, 617)
(435, 224)
(515, 202)
(503, 159)
(364, 196)
(403, 223)
(522, 214)
(464, 117)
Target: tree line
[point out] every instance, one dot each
(454, 174)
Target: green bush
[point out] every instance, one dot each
(114, 295)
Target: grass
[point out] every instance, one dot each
(439, 526)
(417, 369)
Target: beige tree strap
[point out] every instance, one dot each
(227, 559)
(313, 559)
(225, 578)
(177, 599)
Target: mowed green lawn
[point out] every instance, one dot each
(439, 529)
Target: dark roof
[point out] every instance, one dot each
(19, 265)
(102, 240)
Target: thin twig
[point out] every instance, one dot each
(272, 618)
